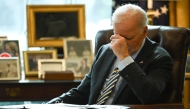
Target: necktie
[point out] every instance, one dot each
(109, 87)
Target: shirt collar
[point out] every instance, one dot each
(135, 55)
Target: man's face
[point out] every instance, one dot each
(131, 33)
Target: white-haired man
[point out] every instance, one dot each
(144, 66)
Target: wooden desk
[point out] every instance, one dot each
(160, 106)
(63, 106)
(31, 89)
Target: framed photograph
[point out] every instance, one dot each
(31, 60)
(78, 48)
(10, 68)
(9, 48)
(79, 66)
(50, 65)
(188, 64)
(3, 38)
(48, 25)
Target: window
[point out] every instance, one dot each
(13, 21)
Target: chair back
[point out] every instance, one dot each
(176, 41)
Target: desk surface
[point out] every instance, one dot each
(161, 106)
(68, 106)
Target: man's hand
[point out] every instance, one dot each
(119, 46)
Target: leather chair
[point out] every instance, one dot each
(176, 41)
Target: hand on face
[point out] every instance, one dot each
(119, 46)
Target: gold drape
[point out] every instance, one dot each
(180, 13)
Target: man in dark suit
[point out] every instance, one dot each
(144, 66)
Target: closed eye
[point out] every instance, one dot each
(128, 38)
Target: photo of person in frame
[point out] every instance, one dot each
(8, 69)
(79, 66)
(83, 68)
(11, 47)
(86, 52)
(188, 64)
(11, 70)
(72, 52)
(82, 48)
(33, 64)
(33, 60)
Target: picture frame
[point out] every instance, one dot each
(3, 38)
(10, 68)
(31, 60)
(78, 48)
(49, 25)
(188, 65)
(76, 66)
(9, 48)
(50, 65)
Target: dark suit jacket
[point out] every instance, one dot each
(143, 81)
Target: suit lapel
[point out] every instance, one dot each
(107, 63)
(105, 68)
(140, 60)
